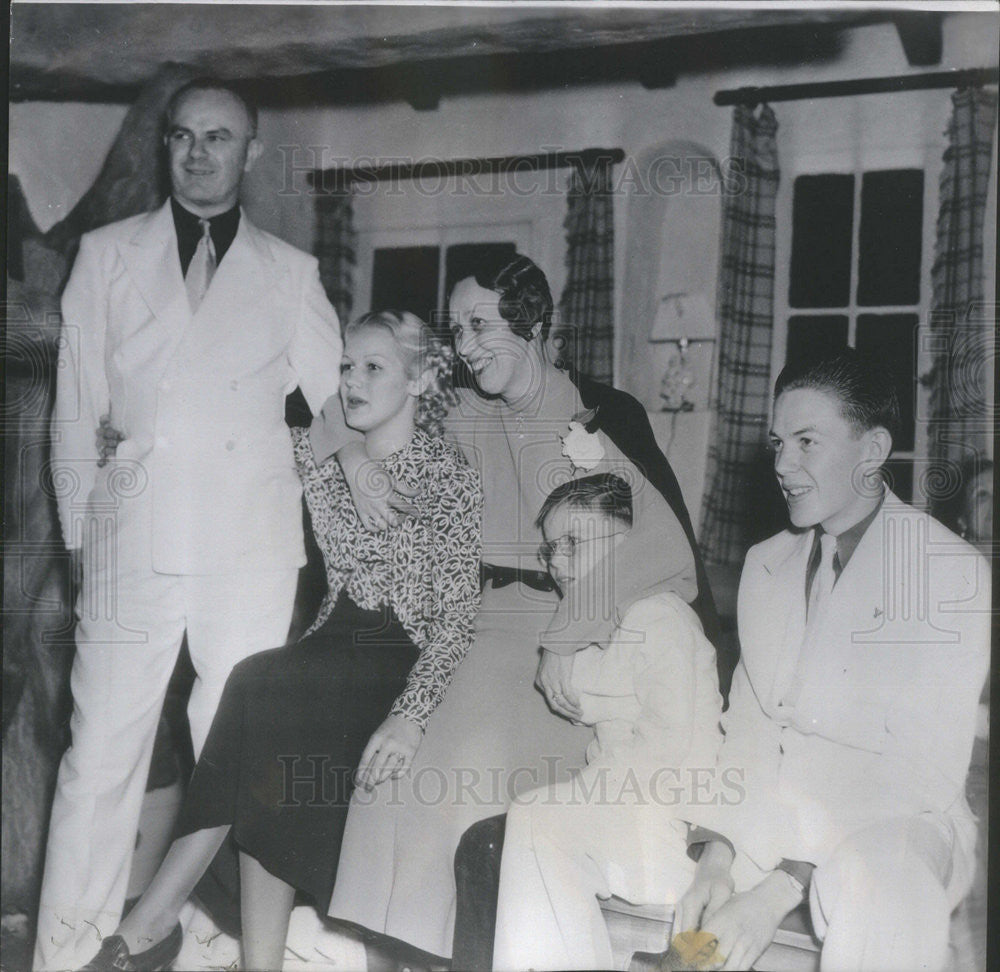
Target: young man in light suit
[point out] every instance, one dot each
(865, 634)
(187, 326)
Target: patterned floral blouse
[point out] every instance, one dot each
(426, 568)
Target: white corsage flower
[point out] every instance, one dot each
(582, 448)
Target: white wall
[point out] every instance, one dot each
(57, 150)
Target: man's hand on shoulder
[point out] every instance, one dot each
(378, 498)
(108, 439)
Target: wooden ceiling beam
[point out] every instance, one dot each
(921, 37)
(654, 63)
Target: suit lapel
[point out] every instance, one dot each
(861, 601)
(151, 259)
(855, 607)
(247, 280)
(787, 602)
(245, 276)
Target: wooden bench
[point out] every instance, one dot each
(647, 928)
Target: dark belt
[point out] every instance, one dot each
(498, 576)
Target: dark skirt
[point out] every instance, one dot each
(279, 761)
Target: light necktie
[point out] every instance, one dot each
(201, 268)
(822, 585)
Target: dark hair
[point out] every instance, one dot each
(525, 298)
(603, 493)
(211, 84)
(865, 390)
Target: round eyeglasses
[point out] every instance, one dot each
(565, 545)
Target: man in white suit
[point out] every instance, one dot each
(187, 326)
(865, 644)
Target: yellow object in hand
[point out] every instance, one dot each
(690, 951)
(699, 950)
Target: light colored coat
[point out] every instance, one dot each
(651, 693)
(885, 721)
(207, 457)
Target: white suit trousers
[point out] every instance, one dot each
(881, 903)
(130, 630)
(561, 854)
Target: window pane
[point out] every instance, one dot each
(815, 336)
(822, 222)
(892, 209)
(892, 339)
(406, 278)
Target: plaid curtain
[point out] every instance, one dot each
(334, 248)
(961, 329)
(587, 305)
(746, 318)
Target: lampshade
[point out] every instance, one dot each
(682, 315)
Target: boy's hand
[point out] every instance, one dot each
(745, 925)
(553, 678)
(710, 889)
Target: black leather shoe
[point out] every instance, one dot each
(114, 955)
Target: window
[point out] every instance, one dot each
(419, 278)
(855, 281)
(415, 269)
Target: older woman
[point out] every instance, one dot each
(494, 736)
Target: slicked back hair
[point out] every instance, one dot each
(864, 389)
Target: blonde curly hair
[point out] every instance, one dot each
(423, 352)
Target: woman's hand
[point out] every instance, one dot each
(553, 678)
(389, 752)
(379, 501)
(107, 440)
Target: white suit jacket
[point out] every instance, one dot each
(885, 721)
(205, 475)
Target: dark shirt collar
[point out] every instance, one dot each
(188, 226)
(847, 543)
(848, 540)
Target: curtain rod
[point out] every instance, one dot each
(327, 180)
(958, 78)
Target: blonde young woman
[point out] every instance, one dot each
(354, 695)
